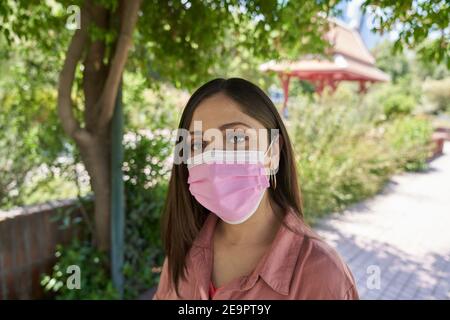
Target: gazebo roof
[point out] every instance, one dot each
(351, 60)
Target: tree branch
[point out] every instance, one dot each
(108, 97)
(66, 77)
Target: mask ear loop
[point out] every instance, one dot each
(272, 173)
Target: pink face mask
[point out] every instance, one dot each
(230, 184)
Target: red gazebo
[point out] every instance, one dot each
(351, 61)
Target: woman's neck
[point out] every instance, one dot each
(259, 229)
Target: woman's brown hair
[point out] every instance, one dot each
(183, 215)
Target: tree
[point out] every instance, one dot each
(100, 84)
(421, 25)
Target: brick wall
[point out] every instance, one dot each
(28, 237)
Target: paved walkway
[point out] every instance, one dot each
(398, 243)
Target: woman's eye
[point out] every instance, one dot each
(236, 138)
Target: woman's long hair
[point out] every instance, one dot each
(183, 216)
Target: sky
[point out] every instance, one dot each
(352, 14)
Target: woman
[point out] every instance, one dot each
(236, 230)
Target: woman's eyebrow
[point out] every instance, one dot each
(223, 127)
(232, 124)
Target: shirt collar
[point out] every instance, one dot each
(277, 265)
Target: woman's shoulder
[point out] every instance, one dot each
(321, 271)
(323, 257)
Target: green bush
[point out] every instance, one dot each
(95, 282)
(37, 157)
(409, 138)
(346, 149)
(390, 100)
(339, 156)
(437, 93)
(146, 170)
(398, 104)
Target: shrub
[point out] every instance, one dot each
(438, 94)
(339, 157)
(146, 170)
(394, 99)
(95, 282)
(398, 104)
(345, 153)
(409, 139)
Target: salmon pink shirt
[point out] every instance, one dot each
(298, 265)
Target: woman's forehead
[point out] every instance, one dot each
(221, 112)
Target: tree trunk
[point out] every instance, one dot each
(96, 157)
(100, 85)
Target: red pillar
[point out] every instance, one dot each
(320, 86)
(333, 85)
(362, 87)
